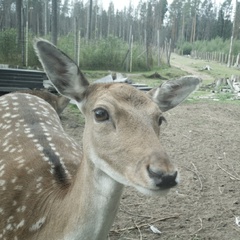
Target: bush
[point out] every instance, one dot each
(184, 48)
(104, 54)
(9, 51)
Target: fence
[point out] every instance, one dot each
(216, 56)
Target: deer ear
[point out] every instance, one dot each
(61, 70)
(173, 92)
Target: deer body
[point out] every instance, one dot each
(53, 188)
(59, 103)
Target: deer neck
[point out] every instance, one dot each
(97, 198)
(62, 103)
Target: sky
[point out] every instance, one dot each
(120, 4)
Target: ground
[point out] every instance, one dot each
(203, 140)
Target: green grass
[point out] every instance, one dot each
(74, 109)
(218, 70)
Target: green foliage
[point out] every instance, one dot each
(11, 53)
(186, 48)
(9, 50)
(214, 45)
(104, 54)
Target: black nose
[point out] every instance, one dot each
(162, 179)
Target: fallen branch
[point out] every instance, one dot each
(138, 228)
(201, 227)
(134, 214)
(195, 171)
(144, 224)
(231, 176)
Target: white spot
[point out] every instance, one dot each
(39, 147)
(1, 211)
(39, 179)
(1, 173)
(15, 116)
(38, 224)
(14, 180)
(6, 115)
(9, 227)
(8, 134)
(45, 158)
(21, 224)
(13, 150)
(39, 185)
(18, 187)
(39, 190)
(29, 170)
(21, 209)
(2, 183)
(10, 219)
(5, 143)
(2, 167)
(14, 97)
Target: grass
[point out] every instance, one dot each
(217, 71)
(74, 109)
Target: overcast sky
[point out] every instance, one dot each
(120, 4)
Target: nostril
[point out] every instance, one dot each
(162, 179)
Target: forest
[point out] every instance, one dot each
(136, 37)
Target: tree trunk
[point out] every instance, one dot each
(54, 21)
(19, 22)
(46, 17)
(89, 30)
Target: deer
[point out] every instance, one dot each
(59, 103)
(52, 187)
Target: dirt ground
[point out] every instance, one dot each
(203, 140)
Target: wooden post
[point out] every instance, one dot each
(75, 23)
(79, 44)
(26, 47)
(131, 53)
(158, 47)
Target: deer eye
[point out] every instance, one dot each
(101, 114)
(161, 120)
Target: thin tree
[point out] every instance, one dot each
(89, 30)
(19, 22)
(54, 21)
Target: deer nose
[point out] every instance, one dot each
(162, 179)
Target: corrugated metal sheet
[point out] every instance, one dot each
(19, 79)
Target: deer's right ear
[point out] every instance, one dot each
(61, 70)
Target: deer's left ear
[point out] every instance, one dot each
(173, 92)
